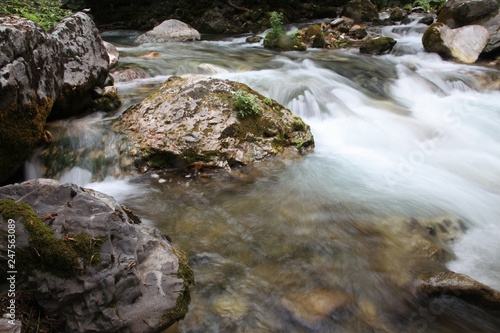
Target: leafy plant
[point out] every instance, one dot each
(429, 5)
(277, 26)
(47, 13)
(246, 104)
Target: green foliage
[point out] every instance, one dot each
(268, 101)
(429, 5)
(276, 20)
(246, 104)
(47, 13)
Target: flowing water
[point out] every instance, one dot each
(320, 244)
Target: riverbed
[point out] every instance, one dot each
(275, 248)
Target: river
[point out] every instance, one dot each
(273, 249)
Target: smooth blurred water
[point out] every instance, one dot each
(397, 136)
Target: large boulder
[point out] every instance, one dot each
(377, 45)
(460, 286)
(360, 11)
(89, 262)
(210, 123)
(86, 64)
(46, 75)
(459, 13)
(169, 31)
(462, 44)
(30, 77)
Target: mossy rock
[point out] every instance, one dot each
(377, 45)
(44, 252)
(85, 246)
(432, 41)
(202, 122)
(285, 42)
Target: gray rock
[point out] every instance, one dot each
(30, 76)
(360, 11)
(169, 31)
(193, 122)
(124, 74)
(459, 13)
(377, 45)
(86, 64)
(135, 282)
(462, 44)
(113, 54)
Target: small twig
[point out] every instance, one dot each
(230, 3)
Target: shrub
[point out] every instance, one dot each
(246, 104)
(47, 13)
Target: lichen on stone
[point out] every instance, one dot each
(45, 252)
(182, 304)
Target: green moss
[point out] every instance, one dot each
(46, 252)
(20, 131)
(182, 304)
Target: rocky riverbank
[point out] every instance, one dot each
(89, 262)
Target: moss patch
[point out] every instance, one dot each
(182, 305)
(47, 253)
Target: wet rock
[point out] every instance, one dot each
(107, 101)
(377, 45)
(315, 37)
(86, 64)
(128, 74)
(466, 12)
(210, 69)
(446, 229)
(285, 42)
(253, 39)
(197, 122)
(360, 11)
(398, 15)
(486, 13)
(427, 20)
(169, 31)
(318, 308)
(90, 264)
(357, 31)
(346, 21)
(113, 54)
(462, 287)
(463, 44)
(30, 80)
(231, 307)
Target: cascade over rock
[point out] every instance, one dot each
(462, 44)
(91, 262)
(194, 121)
